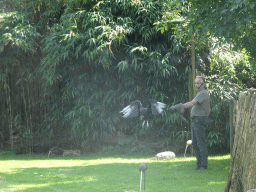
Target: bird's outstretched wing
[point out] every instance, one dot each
(156, 107)
(132, 110)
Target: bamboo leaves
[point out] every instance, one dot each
(94, 58)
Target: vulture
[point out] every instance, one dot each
(136, 109)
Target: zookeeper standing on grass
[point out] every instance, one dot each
(199, 113)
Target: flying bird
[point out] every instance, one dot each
(136, 109)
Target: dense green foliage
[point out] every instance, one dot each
(108, 55)
(96, 58)
(233, 20)
(224, 36)
(68, 68)
(230, 67)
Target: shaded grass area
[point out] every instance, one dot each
(100, 172)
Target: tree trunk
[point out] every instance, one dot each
(242, 171)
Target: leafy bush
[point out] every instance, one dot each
(7, 153)
(227, 74)
(83, 61)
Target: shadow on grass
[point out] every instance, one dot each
(100, 173)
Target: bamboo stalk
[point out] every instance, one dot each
(9, 109)
(30, 117)
(192, 76)
(25, 103)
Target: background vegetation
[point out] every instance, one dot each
(68, 68)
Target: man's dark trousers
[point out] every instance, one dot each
(199, 141)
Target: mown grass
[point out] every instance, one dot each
(101, 172)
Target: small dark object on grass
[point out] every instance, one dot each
(71, 152)
(55, 151)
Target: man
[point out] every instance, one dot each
(199, 113)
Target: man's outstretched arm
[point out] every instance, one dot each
(190, 103)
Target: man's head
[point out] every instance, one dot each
(200, 83)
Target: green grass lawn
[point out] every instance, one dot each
(102, 172)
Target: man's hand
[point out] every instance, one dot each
(179, 107)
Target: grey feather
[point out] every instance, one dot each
(157, 107)
(132, 110)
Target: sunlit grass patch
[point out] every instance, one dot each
(98, 172)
